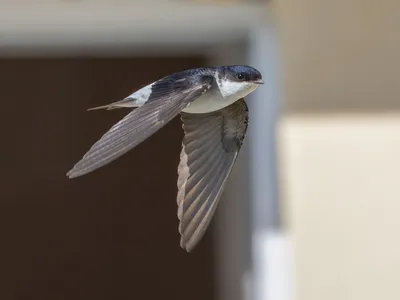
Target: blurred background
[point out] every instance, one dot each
(310, 211)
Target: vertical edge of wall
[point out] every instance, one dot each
(271, 247)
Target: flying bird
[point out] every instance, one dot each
(211, 105)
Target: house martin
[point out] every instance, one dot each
(211, 105)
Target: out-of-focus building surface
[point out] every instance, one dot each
(329, 187)
(339, 146)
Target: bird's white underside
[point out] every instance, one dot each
(226, 94)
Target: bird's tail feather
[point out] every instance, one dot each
(127, 102)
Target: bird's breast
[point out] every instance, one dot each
(209, 102)
(220, 97)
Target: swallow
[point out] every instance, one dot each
(214, 114)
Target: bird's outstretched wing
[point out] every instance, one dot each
(209, 150)
(167, 98)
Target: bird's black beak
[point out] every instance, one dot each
(260, 81)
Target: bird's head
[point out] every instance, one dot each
(239, 81)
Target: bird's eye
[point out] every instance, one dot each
(240, 76)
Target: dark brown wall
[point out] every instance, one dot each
(111, 234)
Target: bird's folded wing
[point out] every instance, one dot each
(209, 150)
(168, 97)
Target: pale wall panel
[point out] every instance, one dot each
(341, 187)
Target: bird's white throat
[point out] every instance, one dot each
(230, 89)
(219, 97)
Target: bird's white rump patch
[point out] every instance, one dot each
(136, 99)
(139, 97)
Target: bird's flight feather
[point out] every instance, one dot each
(168, 97)
(209, 150)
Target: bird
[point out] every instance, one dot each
(214, 114)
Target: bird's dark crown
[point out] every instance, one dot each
(242, 73)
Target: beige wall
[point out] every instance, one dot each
(340, 55)
(340, 145)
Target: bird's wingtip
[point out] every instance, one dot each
(186, 246)
(72, 174)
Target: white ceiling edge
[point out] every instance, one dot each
(62, 28)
